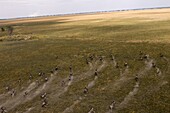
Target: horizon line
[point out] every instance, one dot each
(88, 12)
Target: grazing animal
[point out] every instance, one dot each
(13, 93)
(25, 93)
(96, 73)
(56, 69)
(3, 110)
(125, 64)
(19, 80)
(46, 79)
(70, 77)
(112, 105)
(44, 103)
(91, 110)
(70, 68)
(153, 65)
(158, 71)
(136, 78)
(101, 58)
(85, 90)
(41, 74)
(43, 96)
(7, 88)
(146, 56)
(91, 58)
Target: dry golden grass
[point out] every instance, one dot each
(142, 15)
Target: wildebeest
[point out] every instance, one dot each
(70, 76)
(125, 64)
(85, 90)
(41, 74)
(46, 79)
(101, 58)
(7, 88)
(91, 110)
(13, 93)
(19, 80)
(70, 67)
(3, 110)
(136, 78)
(146, 56)
(56, 69)
(158, 71)
(91, 58)
(43, 95)
(96, 73)
(44, 103)
(112, 105)
(25, 93)
(153, 65)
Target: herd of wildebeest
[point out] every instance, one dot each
(88, 60)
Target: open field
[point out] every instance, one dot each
(41, 44)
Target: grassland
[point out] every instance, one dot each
(69, 40)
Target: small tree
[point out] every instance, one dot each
(10, 30)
